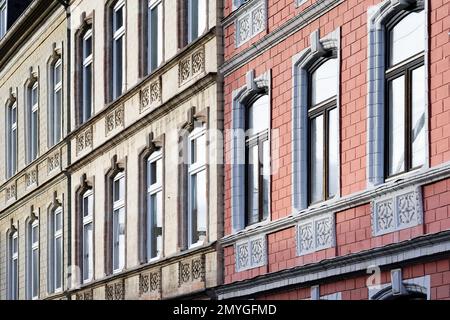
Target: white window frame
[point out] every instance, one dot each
(193, 170)
(13, 279)
(3, 14)
(153, 190)
(55, 131)
(55, 236)
(117, 206)
(32, 247)
(11, 145)
(89, 256)
(88, 61)
(200, 16)
(118, 35)
(33, 111)
(155, 5)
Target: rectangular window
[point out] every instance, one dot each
(33, 129)
(86, 111)
(154, 206)
(118, 222)
(196, 19)
(13, 274)
(11, 144)
(118, 49)
(155, 34)
(56, 250)
(33, 261)
(55, 113)
(197, 195)
(88, 239)
(3, 18)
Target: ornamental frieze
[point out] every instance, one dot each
(191, 66)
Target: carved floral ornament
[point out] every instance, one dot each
(11, 192)
(84, 140)
(114, 119)
(31, 178)
(115, 290)
(251, 253)
(54, 162)
(151, 95)
(191, 270)
(316, 234)
(250, 22)
(191, 66)
(150, 282)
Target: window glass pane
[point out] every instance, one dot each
(34, 234)
(119, 189)
(118, 67)
(88, 205)
(324, 82)
(396, 125)
(14, 279)
(407, 38)
(58, 221)
(116, 240)
(34, 135)
(258, 115)
(418, 117)
(57, 117)
(155, 32)
(201, 205)
(155, 223)
(87, 251)
(201, 16)
(118, 19)
(333, 155)
(34, 96)
(15, 245)
(35, 273)
(266, 178)
(317, 161)
(253, 185)
(57, 73)
(87, 92)
(194, 210)
(193, 20)
(58, 262)
(87, 47)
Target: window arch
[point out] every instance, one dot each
(397, 78)
(13, 264)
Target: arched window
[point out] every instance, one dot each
(32, 114)
(405, 94)
(118, 21)
(257, 153)
(13, 265)
(323, 130)
(87, 244)
(154, 218)
(86, 83)
(11, 138)
(32, 259)
(55, 245)
(197, 186)
(118, 222)
(55, 105)
(155, 32)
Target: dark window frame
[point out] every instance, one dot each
(404, 68)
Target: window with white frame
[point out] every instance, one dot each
(88, 235)
(257, 153)
(33, 122)
(87, 77)
(55, 105)
(197, 184)
(155, 35)
(323, 130)
(118, 48)
(405, 90)
(118, 222)
(13, 266)
(56, 250)
(238, 3)
(32, 269)
(196, 18)
(11, 139)
(154, 205)
(3, 18)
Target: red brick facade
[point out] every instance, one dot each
(353, 225)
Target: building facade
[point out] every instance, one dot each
(337, 185)
(111, 185)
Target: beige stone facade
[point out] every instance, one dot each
(183, 91)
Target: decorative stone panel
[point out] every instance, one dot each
(115, 290)
(191, 66)
(150, 283)
(84, 140)
(114, 119)
(151, 94)
(251, 253)
(192, 270)
(316, 234)
(397, 211)
(54, 162)
(250, 22)
(85, 295)
(11, 193)
(31, 178)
